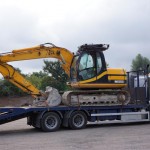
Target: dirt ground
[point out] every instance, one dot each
(15, 101)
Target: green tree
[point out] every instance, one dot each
(140, 63)
(7, 88)
(57, 77)
(36, 78)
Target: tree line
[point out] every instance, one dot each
(53, 75)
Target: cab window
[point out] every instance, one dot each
(99, 63)
(86, 66)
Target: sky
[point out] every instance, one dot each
(124, 24)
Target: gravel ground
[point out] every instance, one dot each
(18, 136)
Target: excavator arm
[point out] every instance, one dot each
(47, 50)
(13, 76)
(42, 51)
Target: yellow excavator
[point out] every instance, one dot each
(94, 83)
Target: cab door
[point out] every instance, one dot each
(86, 67)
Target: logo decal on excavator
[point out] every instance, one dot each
(51, 52)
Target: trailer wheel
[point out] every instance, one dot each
(50, 122)
(78, 120)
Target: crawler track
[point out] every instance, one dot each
(96, 97)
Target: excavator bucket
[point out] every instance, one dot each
(51, 97)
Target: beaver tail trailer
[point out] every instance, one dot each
(77, 117)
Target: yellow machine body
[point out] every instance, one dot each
(116, 80)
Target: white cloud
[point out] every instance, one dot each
(69, 23)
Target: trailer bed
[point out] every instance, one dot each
(8, 114)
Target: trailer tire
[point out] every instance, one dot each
(78, 120)
(50, 122)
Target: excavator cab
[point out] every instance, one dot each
(88, 63)
(88, 69)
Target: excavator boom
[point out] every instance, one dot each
(47, 50)
(42, 51)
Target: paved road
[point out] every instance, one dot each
(18, 136)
